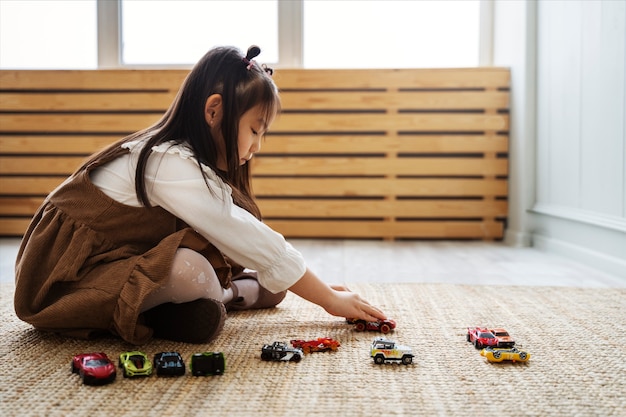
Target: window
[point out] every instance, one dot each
(181, 31)
(64, 34)
(48, 34)
(390, 34)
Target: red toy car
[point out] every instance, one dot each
(321, 344)
(383, 326)
(503, 337)
(94, 368)
(481, 337)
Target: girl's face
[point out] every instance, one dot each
(252, 128)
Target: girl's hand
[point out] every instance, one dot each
(337, 300)
(347, 304)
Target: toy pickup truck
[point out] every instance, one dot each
(385, 351)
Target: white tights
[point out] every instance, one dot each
(192, 277)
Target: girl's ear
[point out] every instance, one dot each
(213, 110)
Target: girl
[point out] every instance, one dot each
(150, 236)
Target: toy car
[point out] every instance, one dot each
(279, 351)
(207, 363)
(135, 364)
(383, 326)
(481, 337)
(500, 354)
(169, 363)
(504, 340)
(321, 344)
(385, 351)
(94, 368)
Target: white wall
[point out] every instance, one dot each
(568, 126)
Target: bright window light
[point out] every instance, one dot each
(391, 34)
(48, 34)
(181, 32)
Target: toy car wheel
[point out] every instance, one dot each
(379, 359)
(468, 338)
(360, 326)
(266, 356)
(74, 369)
(407, 360)
(385, 328)
(522, 356)
(497, 354)
(478, 345)
(296, 358)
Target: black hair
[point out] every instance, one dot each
(242, 84)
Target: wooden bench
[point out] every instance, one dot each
(389, 154)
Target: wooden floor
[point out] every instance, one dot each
(479, 263)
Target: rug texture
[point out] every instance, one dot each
(577, 339)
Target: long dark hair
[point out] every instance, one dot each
(243, 84)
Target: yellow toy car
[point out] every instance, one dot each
(500, 354)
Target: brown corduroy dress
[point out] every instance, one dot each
(87, 262)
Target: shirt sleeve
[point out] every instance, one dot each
(174, 182)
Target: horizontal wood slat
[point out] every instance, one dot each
(286, 123)
(379, 166)
(313, 187)
(411, 153)
(379, 229)
(285, 208)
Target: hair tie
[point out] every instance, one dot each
(253, 52)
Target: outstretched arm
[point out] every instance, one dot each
(337, 301)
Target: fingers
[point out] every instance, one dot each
(339, 287)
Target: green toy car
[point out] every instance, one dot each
(134, 364)
(207, 363)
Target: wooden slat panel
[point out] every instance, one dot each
(363, 187)
(382, 208)
(51, 120)
(410, 100)
(44, 144)
(378, 166)
(382, 144)
(101, 101)
(373, 229)
(284, 123)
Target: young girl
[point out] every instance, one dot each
(159, 235)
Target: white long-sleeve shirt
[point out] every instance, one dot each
(175, 183)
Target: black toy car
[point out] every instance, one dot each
(169, 363)
(207, 363)
(279, 351)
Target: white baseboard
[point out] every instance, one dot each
(609, 264)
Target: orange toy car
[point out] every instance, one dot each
(321, 344)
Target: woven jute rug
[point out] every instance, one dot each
(576, 336)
